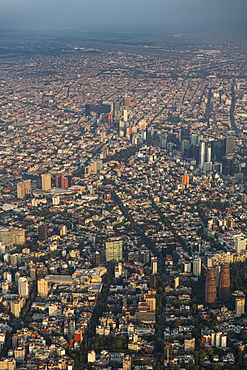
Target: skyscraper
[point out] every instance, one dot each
(23, 286)
(46, 181)
(224, 286)
(113, 250)
(185, 133)
(202, 153)
(210, 290)
(229, 145)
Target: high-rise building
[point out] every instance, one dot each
(16, 306)
(64, 183)
(42, 286)
(127, 362)
(202, 153)
(185, 133)
(240, 244)
(91, 356)
(168, 351)
(32, 273)
(185, 179)
(229, 145)
(228, 165)
(23, 286)
(186, 266)
(240, 304)
(210, 290)
(197, 267)
(58, 181)
(46, 181)
(224, 284)
(176, 282)
(24, 188)
(43, 232)
(218, 150)
(19, 235)
(154, 265)
(8, 363)
(113, 250)
(208, 152)
(56, 200)
(152, 283)
(5, 287)
(6, 236)
(87, 109)
(96, 258)
(116, 110)
(127, 101)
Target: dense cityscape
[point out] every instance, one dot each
(123, 203)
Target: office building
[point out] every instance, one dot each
(116, 110)
(185, 134)
(202, 154)
(224, 283)
(218, 150)
(208, 152)
(113, 250)
(210, 289)
(46, 181)
(229, 145)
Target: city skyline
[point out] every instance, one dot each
(109, 14)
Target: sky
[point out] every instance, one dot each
(95, 14)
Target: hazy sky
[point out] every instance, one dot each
(84, 14)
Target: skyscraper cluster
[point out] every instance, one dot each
(223, 284)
